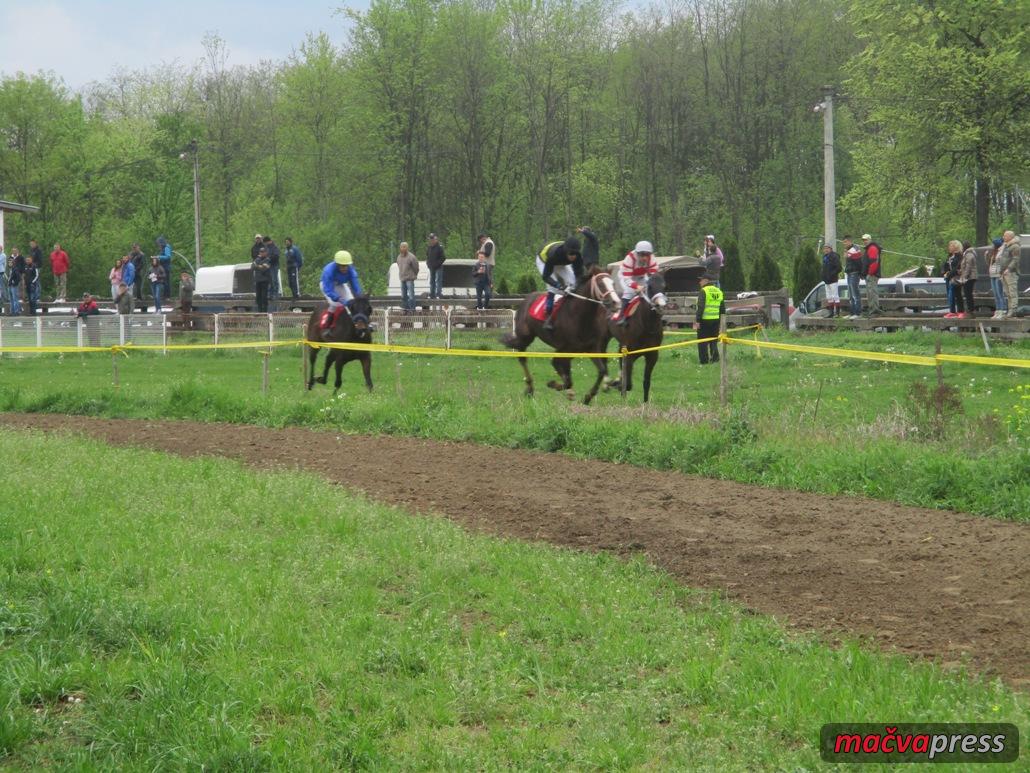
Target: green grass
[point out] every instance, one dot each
(796, 421)
(171, 613)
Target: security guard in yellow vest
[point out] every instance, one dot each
(711, 305)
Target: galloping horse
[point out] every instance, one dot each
(643, 330)
(350, 327)
(580, 325)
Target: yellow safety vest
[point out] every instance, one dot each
(543, 252)
(713, 301)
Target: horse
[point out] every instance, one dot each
(580, 325)
(350, 327)
(642, 331)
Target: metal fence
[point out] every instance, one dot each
(100, 330)
(444, 329)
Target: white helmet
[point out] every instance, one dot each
(644, 247)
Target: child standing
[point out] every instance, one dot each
(483, 276)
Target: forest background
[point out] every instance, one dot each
(527, 118)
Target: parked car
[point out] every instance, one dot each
(890, 287)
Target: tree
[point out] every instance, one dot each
(766, 274)
(945, 96)
(732, 279)
(806, 271)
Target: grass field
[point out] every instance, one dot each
(795, 421)
(174, 613)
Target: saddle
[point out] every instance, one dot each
(630, 310)
(538, 308)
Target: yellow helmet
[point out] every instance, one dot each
(343, 258)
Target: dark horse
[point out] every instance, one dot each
(349, 328)
(580, 325)
(642, 331)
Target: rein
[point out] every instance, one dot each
(593, 290)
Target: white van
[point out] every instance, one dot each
(226, 282)
(457, 279)
(890, 287)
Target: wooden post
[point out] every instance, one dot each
(264, 372)
(114, 369)
(940, 368)
(722, 361)
(304, 364)
(622, 375)
(983, 335)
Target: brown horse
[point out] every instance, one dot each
(353, 327)
(580, 325)
(642, 331)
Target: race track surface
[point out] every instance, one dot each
(939, 584)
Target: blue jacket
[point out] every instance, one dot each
(294, 257)
(166, 257)
(334, 274)
(129, 274)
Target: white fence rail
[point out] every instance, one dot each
(447, 328)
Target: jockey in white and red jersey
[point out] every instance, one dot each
(636, 270)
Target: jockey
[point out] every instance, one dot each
(561, 265)
(636, 270)
(339, 285)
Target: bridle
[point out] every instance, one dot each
(597, 292)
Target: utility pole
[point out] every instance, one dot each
(829, 189)
(195, 150)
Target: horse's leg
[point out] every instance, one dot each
(629, 372)
(528, 376)
(339, 374)
(366, 367)
(330, 358)
(559, 367)
(650, 359)
(602, 370)
(312, 359)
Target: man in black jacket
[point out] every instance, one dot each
(272, 249)
(830, 275)
(434, 262)
(262, 279)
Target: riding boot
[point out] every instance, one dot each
(624, 320)
(549, 323)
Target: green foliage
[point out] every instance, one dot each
(807, 273)
(765, 274)
(732, 278)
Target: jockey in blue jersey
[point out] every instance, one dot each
(340, 286)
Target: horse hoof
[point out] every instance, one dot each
(570, 394)
(320, 379)
(555, 385)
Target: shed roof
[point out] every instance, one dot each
(10, 206)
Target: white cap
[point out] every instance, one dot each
(711, 236)
(644, 247)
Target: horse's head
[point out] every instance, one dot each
(656, 293)
(598, 285)
(361, 317)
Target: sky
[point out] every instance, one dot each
(86, 40)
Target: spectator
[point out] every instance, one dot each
(591, 246)
(488, 248)
(14, 281)
(1008, 267)
(853, 273)
(88, 313)
(35, 253)
(711, 305)
(407, 272)
(434, 262)
(18, 261)
(123, 300)
(59, 264)
(483, 276)
(997, 287)
(115, 275)
(871, 270)
(157, 278)
(712, 260)
(272, 249)
(165, 258)
(965, 281)
(949, 271)
(186, 293)
(256, 247)
(31, 284)
(294, 260)
(138, 260)
(830, 275)
(3, 277)
(37, 258)
(262, 279)
(129, 272)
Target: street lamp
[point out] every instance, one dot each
(829, 194)
(194, 150)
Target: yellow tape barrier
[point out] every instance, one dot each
(858, 354)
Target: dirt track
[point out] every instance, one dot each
(935, 583)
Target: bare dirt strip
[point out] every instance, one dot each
(939, 584)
